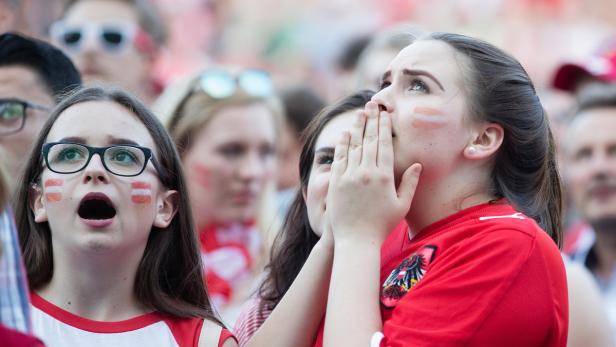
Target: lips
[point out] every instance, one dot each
(96, 210)
(602, 190)
(245, 197)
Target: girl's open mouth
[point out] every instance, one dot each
(96, 207)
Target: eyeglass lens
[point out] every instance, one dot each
(11, 116)
(119, 160)
(222, 84)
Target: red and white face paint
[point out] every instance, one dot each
(200, 174)
(53, 189)
(429, 118)
(141, 193)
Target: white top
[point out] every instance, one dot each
(59, 328)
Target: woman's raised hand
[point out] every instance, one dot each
(363, 203)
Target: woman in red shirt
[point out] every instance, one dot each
(457, 143)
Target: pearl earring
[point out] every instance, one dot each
(471, 150)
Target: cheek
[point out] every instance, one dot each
(200, 174)
(141, 193)
(316, 192)
(53, 189)
(428, 118)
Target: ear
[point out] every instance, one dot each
(486, 140)
(36, 200)
(167, 207)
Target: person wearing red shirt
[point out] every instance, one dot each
(457, 143)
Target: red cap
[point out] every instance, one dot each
(602, 67)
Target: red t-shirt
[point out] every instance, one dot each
(13, 338)
(485, 276)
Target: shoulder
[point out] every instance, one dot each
(212, 334)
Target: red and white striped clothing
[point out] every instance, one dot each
(59, 328)
(251, 319)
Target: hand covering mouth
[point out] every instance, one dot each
(96, 206)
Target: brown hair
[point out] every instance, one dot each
(169, 277)
(500, 91)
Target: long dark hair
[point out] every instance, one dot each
(500, 91)
(296, 239)
(169, 277)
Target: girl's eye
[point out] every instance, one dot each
(232, 150)
(325, 159)
(124, 157)
(419, 86)
(583, 154)
(70, 154)
(267, 151)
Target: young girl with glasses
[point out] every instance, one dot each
(225, 126)
(107, 233)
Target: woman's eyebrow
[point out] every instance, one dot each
(410, 72)
(121, 141)
(74, 139)
(327, 150)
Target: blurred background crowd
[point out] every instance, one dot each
(315, 52)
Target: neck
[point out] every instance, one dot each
(439, 198)
(97, 286)
(605, 248)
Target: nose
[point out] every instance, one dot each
(95, 171)
(253, 167)
(383, 99)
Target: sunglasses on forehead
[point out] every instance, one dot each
(110, 37)
(220, 84)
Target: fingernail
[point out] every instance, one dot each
(417, 169)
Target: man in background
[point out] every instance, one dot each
(115, 42)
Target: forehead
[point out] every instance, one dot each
(254, 120)
(595, 125)
(431, 55)
(330, 135)
(101, 11)
(22, 82)
(98, 122)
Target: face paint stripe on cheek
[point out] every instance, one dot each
(429, 118)
(201, 174)
(53, 190)
(141, 193)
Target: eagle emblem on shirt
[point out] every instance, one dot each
(406, 275)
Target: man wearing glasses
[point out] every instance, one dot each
(113, 41)
(33, 77)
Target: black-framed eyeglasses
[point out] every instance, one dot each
(13, 114)
(221, 84)
(120, 160)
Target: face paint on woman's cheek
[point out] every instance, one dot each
(428, 118)
(141, 193)
(201, 175)
(53, 189)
